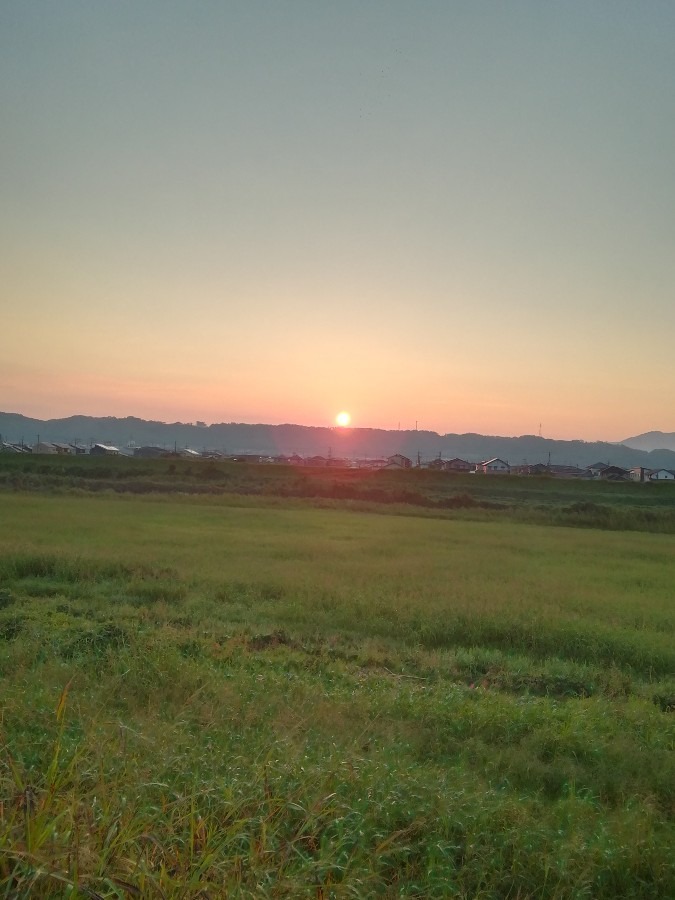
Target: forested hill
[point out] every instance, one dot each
(354, 442)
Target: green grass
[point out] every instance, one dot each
(269, 700)
(617, 506)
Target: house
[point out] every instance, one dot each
(597, 469)
(495, 466)
(149, 452)
(398, 461)
(662, 475)
(316, 461)
(531, 469)
(604, 470)
(64, 449)
(561, 471)
(104, 450)
(6, 447)
(437, 464)
(44, 447)
(458, 465)
(613, 473)
(370, 463)
(639, 473)
(77, 449)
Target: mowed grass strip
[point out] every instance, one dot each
(272, 702)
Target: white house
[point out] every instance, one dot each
(494, 466)
(662, 475)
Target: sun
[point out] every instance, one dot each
(343, 419)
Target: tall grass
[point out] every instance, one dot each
(208, 700)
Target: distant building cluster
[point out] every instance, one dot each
(454, 466)
(57, 447)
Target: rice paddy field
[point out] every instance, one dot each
(231, 696)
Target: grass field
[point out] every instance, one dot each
(542, 501)
(222, 696)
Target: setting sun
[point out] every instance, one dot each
(343, 419)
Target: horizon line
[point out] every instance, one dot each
(336, 429)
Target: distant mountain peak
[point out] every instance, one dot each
(652, 440)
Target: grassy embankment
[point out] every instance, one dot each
(302, 702)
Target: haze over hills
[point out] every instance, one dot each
(652, 440)
(306, 440)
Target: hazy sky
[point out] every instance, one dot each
(456, 213)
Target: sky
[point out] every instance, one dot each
(460, 214)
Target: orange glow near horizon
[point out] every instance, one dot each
(54, 388)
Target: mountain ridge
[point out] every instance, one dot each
(652, 440)
(307, 440)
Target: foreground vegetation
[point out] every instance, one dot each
(616, 506)
(208, 696)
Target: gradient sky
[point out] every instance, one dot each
(455, 213)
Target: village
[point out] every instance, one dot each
(455, 466)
